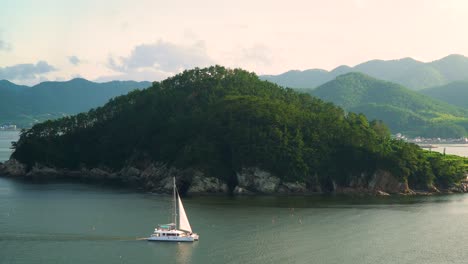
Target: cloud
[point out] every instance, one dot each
(26, 71)
(256, 57)
(5, 46)
(162, 57)
(74, 60)
(258, 54)
(360, 3)
(124, 26)
(143, 75)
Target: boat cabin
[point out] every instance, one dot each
(168, 230)
(166, 227)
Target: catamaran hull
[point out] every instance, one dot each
(173, 239)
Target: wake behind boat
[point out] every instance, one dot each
(172, 232)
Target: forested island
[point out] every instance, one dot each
(225, 130)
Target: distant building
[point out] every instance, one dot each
(8, 127)
(422, 140)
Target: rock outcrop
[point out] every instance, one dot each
(38, 172)
(459, 188)
(292, 187)
(384, 181)
(13, 168)
(203, 184)
(155, 177)
(158, 177)
(257, 180)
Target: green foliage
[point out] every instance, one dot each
(402, 110)
(455, 93)
(380, 128)
(219, 121)
(450, 169)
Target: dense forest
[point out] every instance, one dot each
(221, 120)
(24, 105)
(403, 110)
(455, 93)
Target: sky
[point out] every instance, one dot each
(153, 39)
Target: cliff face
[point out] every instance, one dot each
(157, 177)
(12, 168)
(380, 182)
(255, 180)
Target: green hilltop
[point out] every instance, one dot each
(401, 109)
(219, 121)
(455, 93)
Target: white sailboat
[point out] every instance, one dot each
(179, 231)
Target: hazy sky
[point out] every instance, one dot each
(152, 39)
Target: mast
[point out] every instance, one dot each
(175, 205)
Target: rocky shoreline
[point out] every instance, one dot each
(157, 177)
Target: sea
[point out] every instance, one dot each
(80, 223)
(6, 137)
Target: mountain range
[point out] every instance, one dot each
(24, 105)
(402, 109)
(439, 111)
(415, 75)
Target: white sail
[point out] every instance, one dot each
(183, 220)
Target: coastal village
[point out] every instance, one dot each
(8, 127)
(422, 140)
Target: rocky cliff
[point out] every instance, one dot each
(157, 177)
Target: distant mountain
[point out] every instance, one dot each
(301, 79)
(408, 72)
(24, 106)
(401, 109)
(9, 86)
(9, 94)
(455, 93)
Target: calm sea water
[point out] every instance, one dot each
(6, 137)
(455, 149)
(75, 223)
